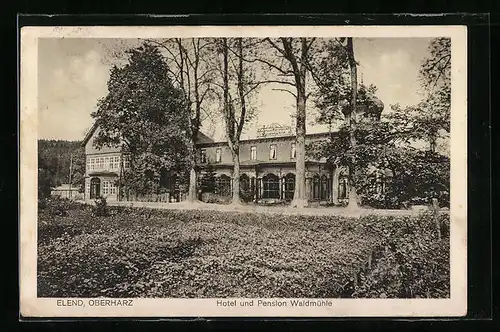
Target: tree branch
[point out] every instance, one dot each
(285, 90)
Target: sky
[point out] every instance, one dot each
(73, 73)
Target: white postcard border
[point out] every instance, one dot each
(31, 306)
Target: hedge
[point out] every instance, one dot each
(137, 252)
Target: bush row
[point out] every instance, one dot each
(164, 253)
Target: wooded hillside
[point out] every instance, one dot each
(54, 164)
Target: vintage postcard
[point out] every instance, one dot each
(282, 171)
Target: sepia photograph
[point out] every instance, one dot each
(221, 171)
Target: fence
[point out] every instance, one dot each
(162, 198)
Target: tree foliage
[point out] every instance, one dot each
(191, 67)
(389, 147)
(147, 116)
(54, 158)
(208, 179)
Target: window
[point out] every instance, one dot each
(107, 164)
(271, 186)
(88, 163)
(316, 187)
(289, 185)
(223, 185)
(101, 163)
(244, 183)
(126, 162)
(203, 156)
(218, 155)
(272, 152)
(116, 163)
(253, 153)
(92, 163)
(343, 187)
(293, 152)
(112, 188)
(324, 187)
(105, 187)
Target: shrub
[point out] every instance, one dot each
(414, 263)
(246, 195)
(101, 207)
(57, 206)
(215, 198)
(173, 253)
(380, 201)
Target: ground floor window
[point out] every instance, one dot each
(112, 187)
(316, 187)
(244, 182)
(324, 188)
(95, 188)
(289, 185)
(343, 186)
(271, 186)
(223, 185)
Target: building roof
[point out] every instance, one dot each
(90, 133)
(202, 138)
(65, 186)
(260, 139)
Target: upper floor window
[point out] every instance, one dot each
(253, 153)
(218, 155)
(126, 162)
(203, 156)
(272, 152)
(293, 152)
(116, 162)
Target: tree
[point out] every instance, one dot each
(192, 71)
(385, 142)
(435, 75)
(147, 116)
(335, 74)
(55, 160)
(78, 169)
(208, 179)
(45, 177)
(372, 137)
(294, 54)
(239, 80)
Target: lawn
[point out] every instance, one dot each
(136, 252)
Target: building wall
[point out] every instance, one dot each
(111, 167)
(263, 147)
(108, 170)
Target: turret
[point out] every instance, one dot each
(369, 106)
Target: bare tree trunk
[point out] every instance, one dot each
(192, 194)
(351, 122)
(300, 194)
(236, 175)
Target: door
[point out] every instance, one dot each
(95, 188)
